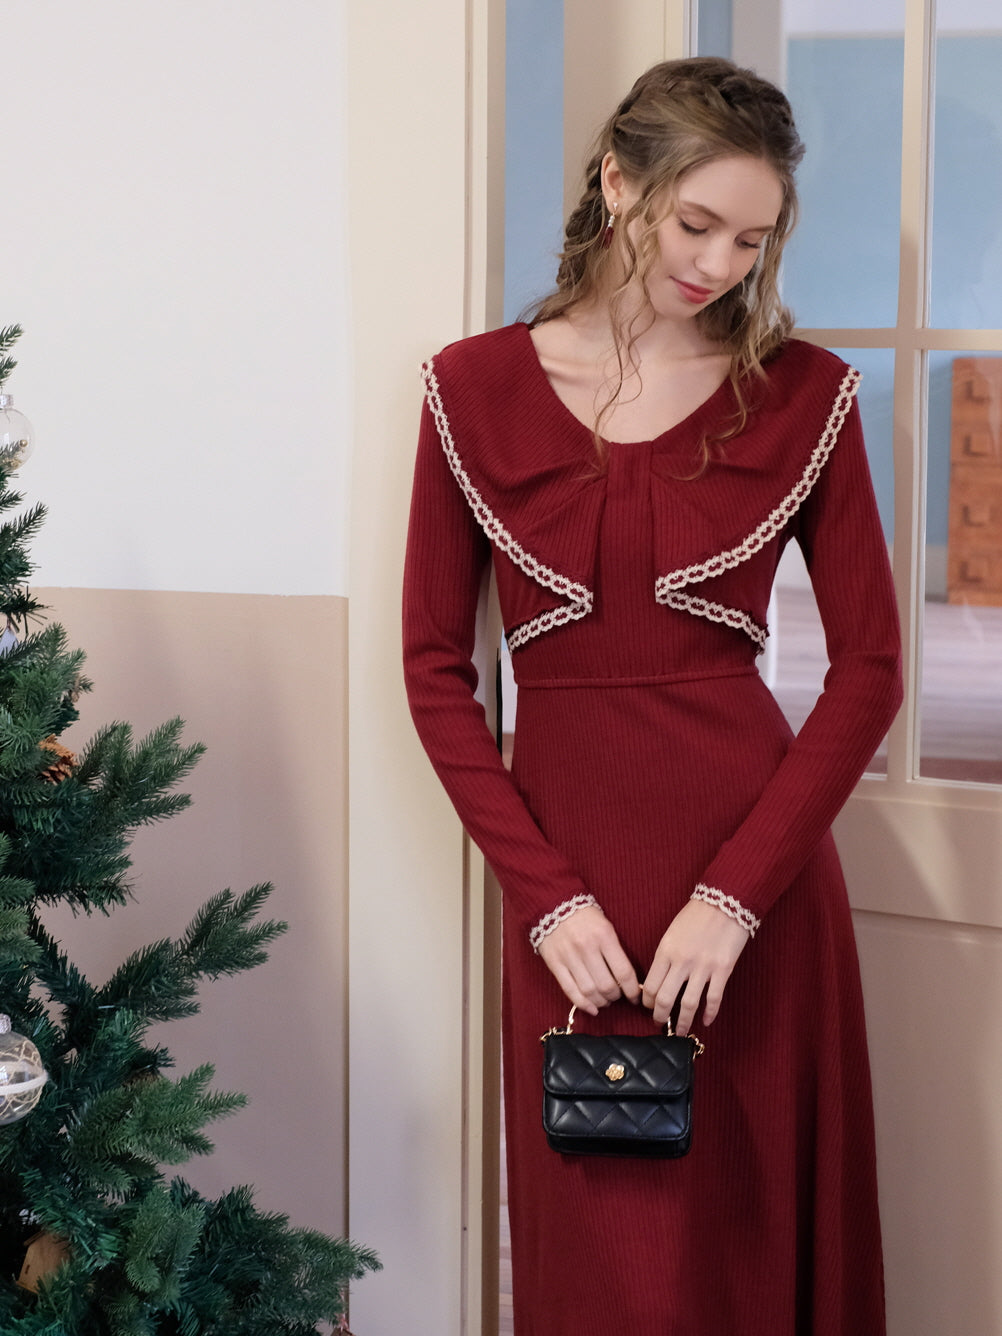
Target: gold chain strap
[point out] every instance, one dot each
(568, 1028)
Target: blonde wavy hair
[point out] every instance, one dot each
(680, 115)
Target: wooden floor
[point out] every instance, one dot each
(505, 1325)
(960, 727)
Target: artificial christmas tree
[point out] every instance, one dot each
(95, 1240)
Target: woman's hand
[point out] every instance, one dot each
(584, 956)
(696, 955)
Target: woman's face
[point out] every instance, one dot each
(711, 239)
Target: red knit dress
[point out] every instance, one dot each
(651, 763)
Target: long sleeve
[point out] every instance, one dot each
(447, 553)
(840, 533)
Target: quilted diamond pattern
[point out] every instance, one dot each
(647, 1112)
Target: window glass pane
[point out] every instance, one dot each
(796, 660)
(714, 37)
(842, 67)
(842, 263)
(961, 704)
(534, 151)
(967, 166)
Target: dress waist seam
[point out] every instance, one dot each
(652, 679)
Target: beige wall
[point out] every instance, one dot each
(407, 1130)
(934, 1012)
(262, 682)
(605, 48)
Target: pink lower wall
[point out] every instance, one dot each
(261, 681)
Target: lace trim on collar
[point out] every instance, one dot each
(580, 597)
(715, 612)
(667, 587)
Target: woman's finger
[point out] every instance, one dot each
(623, 974)
(667, 996)
(653, 983)
(714, 996)
(585, 979)
(614, 972)
(574, 993)
(688, 1002)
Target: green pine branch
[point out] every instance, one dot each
(160, 1237)
(9, 335)
(127, 783)
(127, 1132)
(18, 949)
(68, 988)
(256, 1276)
(72, 1210)
(221, 938)
(159, 981)
(15, 564)
(16, 946)
(73, 837)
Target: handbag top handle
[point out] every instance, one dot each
(568, 1029)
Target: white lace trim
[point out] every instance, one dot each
(717, 612)
(556, 916)
(733, 908)
(579, 596)
(667, 586)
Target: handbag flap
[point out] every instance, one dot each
(628, 1066)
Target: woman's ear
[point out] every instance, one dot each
(613, 183)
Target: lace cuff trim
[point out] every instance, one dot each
(556, 916)
(667, 587)
(733, 908)
(579, 596)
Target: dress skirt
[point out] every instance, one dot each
(768, 1227)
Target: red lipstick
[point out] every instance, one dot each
(693, 294)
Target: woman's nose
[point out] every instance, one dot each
(714, 258)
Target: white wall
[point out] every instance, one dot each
(172, 237)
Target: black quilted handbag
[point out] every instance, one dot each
(618, 1094)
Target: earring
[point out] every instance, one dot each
(609, 227)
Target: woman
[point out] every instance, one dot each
(633, 462)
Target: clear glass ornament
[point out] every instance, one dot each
(22, 1075)
(17, 436)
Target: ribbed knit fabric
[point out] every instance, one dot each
(650, 760)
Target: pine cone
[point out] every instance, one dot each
(64, 764)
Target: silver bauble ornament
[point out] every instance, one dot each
(22, 1075)
(17, 436)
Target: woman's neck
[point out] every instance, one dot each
(644, 339)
